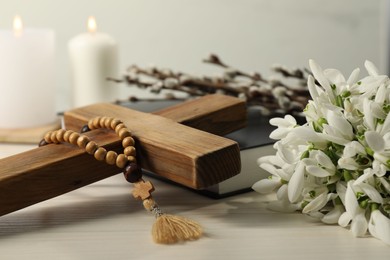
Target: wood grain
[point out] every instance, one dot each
(183, 154)
(206, 114)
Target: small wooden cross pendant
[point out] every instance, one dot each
(142, 189)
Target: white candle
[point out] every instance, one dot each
(93, 58)
(27, 82)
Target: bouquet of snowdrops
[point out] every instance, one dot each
(336, 166)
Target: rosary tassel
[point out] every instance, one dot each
(170, 229)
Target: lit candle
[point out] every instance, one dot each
(27, 83)
(93, 58)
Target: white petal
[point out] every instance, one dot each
(386, 125)
(375, 141)
(341, 124)
(344, 219)
(286, 121)
(312, 87)
(381, 158)
(317, 171)
(367, 174)
(379, 169)
(380, 96)
(371, 69)
(347, 163)
(359, 147)
(334, 76)
(324, 160)
(264, 159)
(281, 194)
(334, 139)
(354, 76)
(359, 225)
(371, 192)
(351, 203)
(370, 84)
(316, 215)
(296, 183)
(286, 154)
(318, 74)
(368, 118)
(290, 119)
(377, 111)
(279, 133)
(266, 185)
(379, 226)
(317, 203)
(341, 191)
(307, 134)
(385, 184)
(283, 175)
(332, 217)
(269, 168)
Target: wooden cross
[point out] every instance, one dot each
(168, 144)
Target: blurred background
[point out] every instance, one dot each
(249, 34)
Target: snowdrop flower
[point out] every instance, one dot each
(319, 164)
(279, 174)
(284, 126)
(336, 167)
(354, 213)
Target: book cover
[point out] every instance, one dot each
(254, 143)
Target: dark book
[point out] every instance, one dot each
(254, 143)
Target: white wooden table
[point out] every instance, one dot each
(103, 221)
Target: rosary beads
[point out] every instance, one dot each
(167, 229)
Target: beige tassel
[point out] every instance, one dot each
(170, 229)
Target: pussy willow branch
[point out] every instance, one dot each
(271, 96)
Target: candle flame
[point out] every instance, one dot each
(18, 25)
(92, 24)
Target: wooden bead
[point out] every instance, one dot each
(53, 137)
(132, 172)
(73, 138)
(128, 141)
(129, 150)
(100, 154)
(82, 141)
(131, 159)
(107, 122)
(47, 137)
(111, 157)
(119, 127)
(42, 143)
(123, 133)
(101, 121)
(114, 123)
(95, 123)
(60, 135)
(67, 135)
(85, 129)
(121, 161)
(91, 147)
